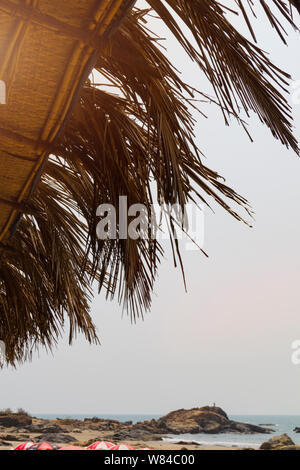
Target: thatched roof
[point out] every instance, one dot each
(50, 48)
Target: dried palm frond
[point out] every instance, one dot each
(242, 75)
(135, 141)
(41, 277)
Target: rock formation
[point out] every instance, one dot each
(16, 427)
(207, 420)
(277, 443)
(18, 420)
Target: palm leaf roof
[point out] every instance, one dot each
(106, 144)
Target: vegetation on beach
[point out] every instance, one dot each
(9, 411)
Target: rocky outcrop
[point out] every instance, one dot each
(52, 429)
(192, 422)
(48, 428)
(56, 438)
(15, 437)
(35, 428)
(135, 434)
(208, 420)
(268, 424)
(278, 443)
(297, 430)
(10, 420)
(215, 409)
(294, 447)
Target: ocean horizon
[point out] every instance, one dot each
(279, 423)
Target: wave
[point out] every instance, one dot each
(254, 445)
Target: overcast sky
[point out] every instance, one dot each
(229, 339)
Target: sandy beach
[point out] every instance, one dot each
(163, 445)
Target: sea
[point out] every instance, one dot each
(279, 423)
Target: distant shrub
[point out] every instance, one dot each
(22, 412)
(7, 411)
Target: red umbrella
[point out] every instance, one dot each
(122, 447)
(25, 446)
(72, 448)
(43, 446)
(102, 445)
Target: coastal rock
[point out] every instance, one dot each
(209, 420)
(268, 424)
(101, 421)
(215, 409)
(70, 422)
(297, 430)
(9, 420)
(295, 447)
(98, 424)
(52, 429)
(135, 435)
(16, 438)
(56, 438)
(148, 426)
(193, 421)
(245, 428)
(45, 428)
(277, 442)
(35, 428)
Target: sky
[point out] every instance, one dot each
(228, 340)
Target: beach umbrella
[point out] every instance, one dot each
(125, 139)
(122, 447)
(102, 445)
(43, 446)
(25, 446)
(71, 448)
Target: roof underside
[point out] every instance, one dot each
(47, 50)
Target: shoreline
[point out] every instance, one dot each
(84, 433)
(205, 428)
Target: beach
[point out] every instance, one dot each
(206, 428)
(177, 430)
(87, 436)
(16, 429)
